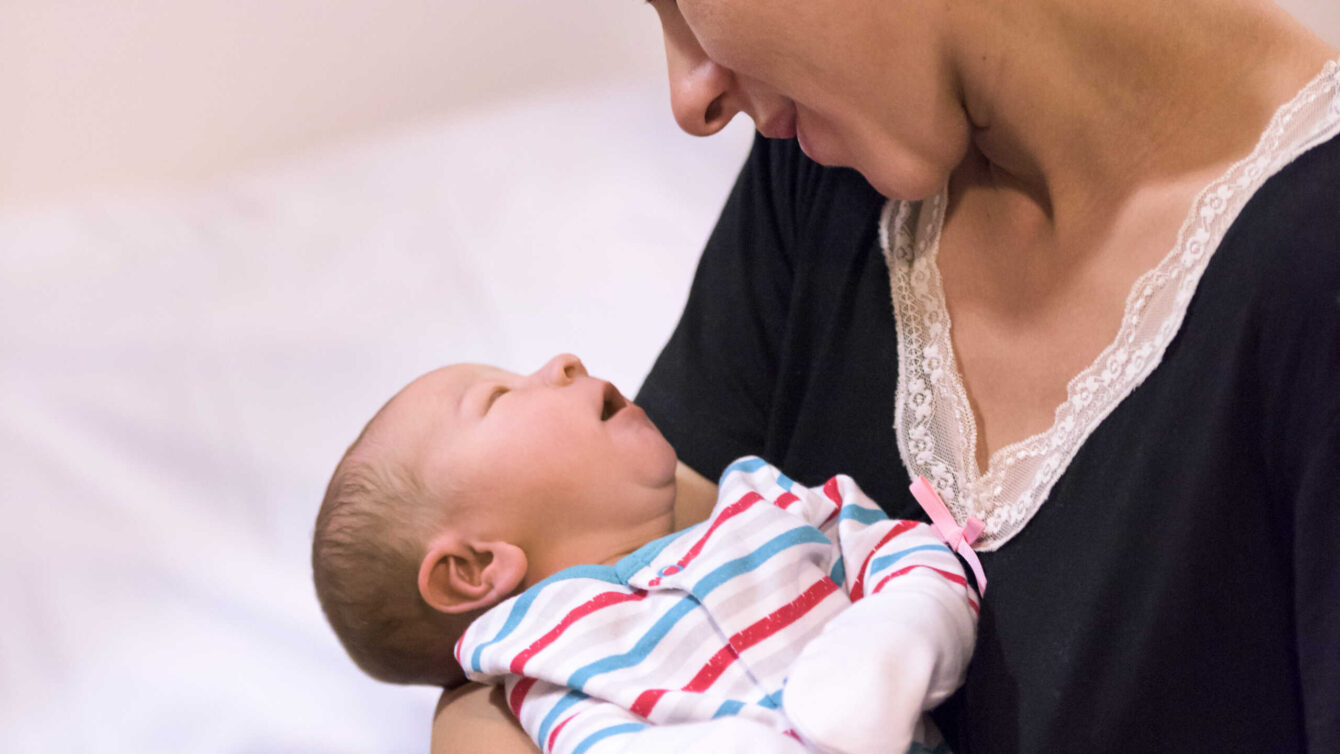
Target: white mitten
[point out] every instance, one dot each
(863, 683)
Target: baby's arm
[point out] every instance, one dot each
(901, 648)
(564, 721)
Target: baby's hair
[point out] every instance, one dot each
(369, 541)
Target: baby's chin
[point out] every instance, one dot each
(667, 463)
(651, 512)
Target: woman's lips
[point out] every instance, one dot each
(804, 146)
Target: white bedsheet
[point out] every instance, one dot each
(180, 371)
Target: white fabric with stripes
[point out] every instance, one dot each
(691, 637)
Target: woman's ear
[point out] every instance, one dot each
(457, 576)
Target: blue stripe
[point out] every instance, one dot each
(523, 603)
(728, 708)
(639, 558)
(569, 699)
(639, 651)
(884, 561)
(722, 574)
(862, 515)
(748, 465)
(729, 570)
(839, 572)
(601, 735)
(772, 701)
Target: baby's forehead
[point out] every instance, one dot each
(440, 391)
(450, 382)
(423, 413)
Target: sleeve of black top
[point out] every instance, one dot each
(1301, 344)
(1313, 308)
(710, 389)
(1317, 584)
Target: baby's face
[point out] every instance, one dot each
(556, 445)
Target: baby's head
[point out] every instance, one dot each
(470, 485)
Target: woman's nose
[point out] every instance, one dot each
(561, 370)
(701, 91)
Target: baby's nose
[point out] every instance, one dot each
(562, 369)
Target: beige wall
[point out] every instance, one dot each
(1322, 16)
(108, 93)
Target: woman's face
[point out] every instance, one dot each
(861, 83)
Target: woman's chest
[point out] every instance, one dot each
(1027, 313)
(1015, 374)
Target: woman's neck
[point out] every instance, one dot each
(1077, 104)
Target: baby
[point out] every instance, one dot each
(520, 530)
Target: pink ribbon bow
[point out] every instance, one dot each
(959, 538)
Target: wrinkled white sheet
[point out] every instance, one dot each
(180, 371)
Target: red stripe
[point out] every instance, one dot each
(605, 599)
(858, 588)
(831, 490)
(784, 500)
(554, 733)
(834, 494)
(954, 577)
(518, 695)
(760, 630)
(645, 701)
(784, 616)
(713, 669)
(734, 509)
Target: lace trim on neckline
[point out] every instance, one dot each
(936, 431)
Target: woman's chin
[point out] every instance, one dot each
(909, 185)
(904, 185)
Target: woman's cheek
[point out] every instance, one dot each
(722, 28)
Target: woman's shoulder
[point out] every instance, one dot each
(1272, 290)
(1285, 244)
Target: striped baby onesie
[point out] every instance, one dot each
(685, 644)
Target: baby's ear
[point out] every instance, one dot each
(457, 576)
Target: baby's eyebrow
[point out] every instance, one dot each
(495, 392)
(490, 380)
(463, 395)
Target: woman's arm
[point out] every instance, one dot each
(475, 718)
(710, 391)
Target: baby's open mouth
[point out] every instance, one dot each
(612, 402)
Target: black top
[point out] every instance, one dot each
(1179, 590)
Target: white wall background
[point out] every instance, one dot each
(104, 94)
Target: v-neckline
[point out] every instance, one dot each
(935, 426)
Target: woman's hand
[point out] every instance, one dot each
(475, 718)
